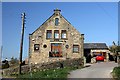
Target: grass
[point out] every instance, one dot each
(51, 73)
(116, 72)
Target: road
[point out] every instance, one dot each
(97, 70)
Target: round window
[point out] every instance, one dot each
(44, 45)
(67, 46)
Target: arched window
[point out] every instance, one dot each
(56, 21)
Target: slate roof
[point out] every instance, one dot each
(95, 46)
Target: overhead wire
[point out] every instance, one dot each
(105, 11)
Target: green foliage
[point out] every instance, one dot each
(114, 49)
(116, 71)
(51, 73)
(118, 48)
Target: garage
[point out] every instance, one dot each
(91, 50)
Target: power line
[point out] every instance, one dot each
(105, 11)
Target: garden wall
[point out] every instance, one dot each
(44, 66)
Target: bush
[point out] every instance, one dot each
(116, 72)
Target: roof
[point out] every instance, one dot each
(95, 46)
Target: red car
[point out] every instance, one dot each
(99, 58)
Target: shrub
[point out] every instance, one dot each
(116, 72)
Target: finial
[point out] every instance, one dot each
(57, 11)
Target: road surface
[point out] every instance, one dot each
(97, 70)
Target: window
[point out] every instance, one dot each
(56, 34)
(36, 47)
(45, 46)
(75, 48)
(49, 34)
(56, 21)
(63, 34)
(56, 50)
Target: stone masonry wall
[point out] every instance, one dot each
(45, 66)
(39, 37)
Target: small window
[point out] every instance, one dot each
(67, 46)
(56, 34)
(75, 48)
(56, 21)
(36, 47)
(49, 34)
(45, 46)
(63, 34)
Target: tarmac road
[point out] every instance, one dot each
(97, 70)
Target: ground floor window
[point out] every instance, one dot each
(56, 50)
(75, 48)
(36, 47)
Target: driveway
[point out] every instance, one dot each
(97, 70)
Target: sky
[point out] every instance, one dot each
(97, 21)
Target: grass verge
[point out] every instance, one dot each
(116, 73)
(49, 74)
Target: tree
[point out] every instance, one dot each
(114, 48)
(118, 48)
(14, 61)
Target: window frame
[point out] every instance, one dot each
(63, 31)
(56, 50)
(56, 31)
(56, 21)
(75, 46)
(47, 32)
(36, 47)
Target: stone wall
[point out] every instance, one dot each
(45, 66)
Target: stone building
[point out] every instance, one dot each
(54, 40)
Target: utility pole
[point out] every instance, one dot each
(21, 44)
(1, 55)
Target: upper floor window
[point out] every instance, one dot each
(64, 34)
(56, 21)
(75, 48)
(49, 34)
(36, 47)
(56, 34)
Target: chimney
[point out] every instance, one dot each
(82, 36)
(57, 11)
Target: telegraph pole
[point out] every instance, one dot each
(1, 55)
(21, 44)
